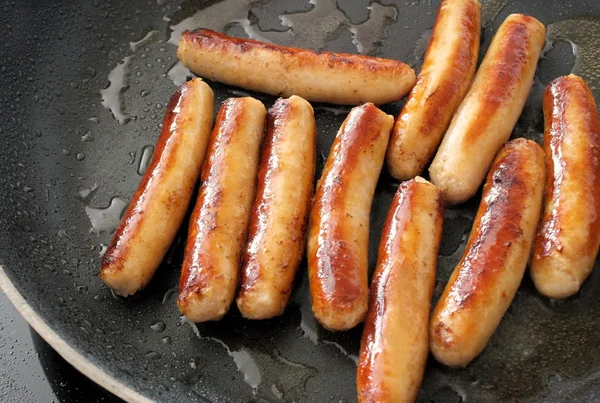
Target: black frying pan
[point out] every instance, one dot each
(68, 167)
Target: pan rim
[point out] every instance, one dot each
(71, 355)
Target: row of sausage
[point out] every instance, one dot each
(255, 211)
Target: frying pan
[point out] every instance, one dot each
(84, 86)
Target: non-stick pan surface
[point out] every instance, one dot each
(83, 88)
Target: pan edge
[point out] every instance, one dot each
(73, 357)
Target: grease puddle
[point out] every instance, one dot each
(281, 376)
(106, 219)
(584, 37)
(312, 29)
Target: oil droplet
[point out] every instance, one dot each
(94, 119)
(111, 95)
(66, 152)
(145, 159)
(80, 156)
(166, 340)
(102, 249)
(106, 219)
(584, 36)
(158, 326)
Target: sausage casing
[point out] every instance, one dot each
(568, 237)
(159, 204)
(279, 217)
(338, 238)
(395, 342)
(336, 78)
(219, 222)
(446, 75)
(489, 112)
(487, 277)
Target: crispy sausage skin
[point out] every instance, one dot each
(338, 239)
(395, 342)
(447, 73)
(158, 206)
(336, 78)
(486, 279)
(219, 222)
(489, 112)
(568, 237)
(277, 235)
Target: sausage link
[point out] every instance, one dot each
(486, 279)
(338, 239)
(395, 342)
(219, 222)
(336, 78)
(568, 237)
(279, 217)
(159, 204)
(446, 75)
(489, 112)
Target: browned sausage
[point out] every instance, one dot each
(337, 78)
(279, 216)
(486, 279)
(489, 112)
(446, 75)
(395, 341)
(338, 239)
(159, 204)
(219, 222)
(568, 238)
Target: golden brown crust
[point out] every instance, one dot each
(279, 218)
(277, 70)
(486, 117)
(339, 219)
(447, 72)
(490, 271)
(395, 342)
(219, 222)
(568, 237)
(136, 250)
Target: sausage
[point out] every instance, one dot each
(336, 78)
(159, 204)
(446, 75)
(279, 217)
(395, 341)
(489, 112)
(487, 277)
(568, 237)
(338, 237)
(219, 222)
